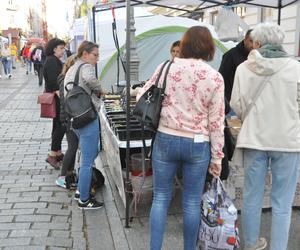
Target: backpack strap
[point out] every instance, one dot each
(76, 80)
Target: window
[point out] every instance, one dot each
(240, 11)
(213, 17)
(266, 15)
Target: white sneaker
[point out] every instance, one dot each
(0, 76)
(260, 245)
(9, 76)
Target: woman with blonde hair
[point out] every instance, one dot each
(89, 135)
(190, 133)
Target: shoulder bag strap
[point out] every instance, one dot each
(255, 97)
(160, 72)
(165, 78)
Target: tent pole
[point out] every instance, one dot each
(94, 33)
(279, 11)
(128, 52)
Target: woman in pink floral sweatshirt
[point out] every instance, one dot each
(190, 133)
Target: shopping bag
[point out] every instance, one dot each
(218, 229)
(48, 105)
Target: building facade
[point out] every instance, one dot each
(290, 20)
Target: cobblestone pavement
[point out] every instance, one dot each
(36, 214)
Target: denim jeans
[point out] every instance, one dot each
(89, 147)
(284, 169)
(170, 152)
(6, 65)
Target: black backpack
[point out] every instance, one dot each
(78, 104)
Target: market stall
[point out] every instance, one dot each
(175, 4)
(113, 132)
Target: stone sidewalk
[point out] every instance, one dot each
(36, 214)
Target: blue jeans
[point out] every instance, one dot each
(6, 65)
(284, 168)
(89, 146)
(170, 152)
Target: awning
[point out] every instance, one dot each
(198, 4)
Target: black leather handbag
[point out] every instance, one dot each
(148, 107)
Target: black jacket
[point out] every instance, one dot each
(230, 60)
(52, 68)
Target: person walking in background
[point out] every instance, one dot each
(52, 68)
(88, 54)
(190, 133)
(38, 58)
(72, 139)
(26, 57)
(6, 60)
(21, 56)
(175, 49)
(14, 54)
(232, 59)
(270, 133)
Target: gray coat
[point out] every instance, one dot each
(87, 80)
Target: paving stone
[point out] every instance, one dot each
(23, 189)
(33, 218)
(16, 211)
(6, 205)
(11, 226)
(15, 242)
(30, 205)
(52, 241)
(3, 234)
(64, 219)
(37, 193)
(60, 233)
(44, 225)
(25, 248)
(53, 211)
(23, 199)
(29, 233)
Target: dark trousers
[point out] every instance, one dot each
(58, 130)
(38, 67)
(70, 155)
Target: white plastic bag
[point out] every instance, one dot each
(218, 229)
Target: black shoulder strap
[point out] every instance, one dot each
(77, 74)
(160, 72)
(165, 78)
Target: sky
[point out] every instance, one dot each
(57, 17)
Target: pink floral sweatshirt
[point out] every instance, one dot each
(194, 103)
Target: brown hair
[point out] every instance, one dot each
(197, 42)
(86, 46)
(70, 62)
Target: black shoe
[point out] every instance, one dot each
(27, 72)
(77, 196)
(90, 204)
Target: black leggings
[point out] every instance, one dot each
(58, 130)
(70, 155)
